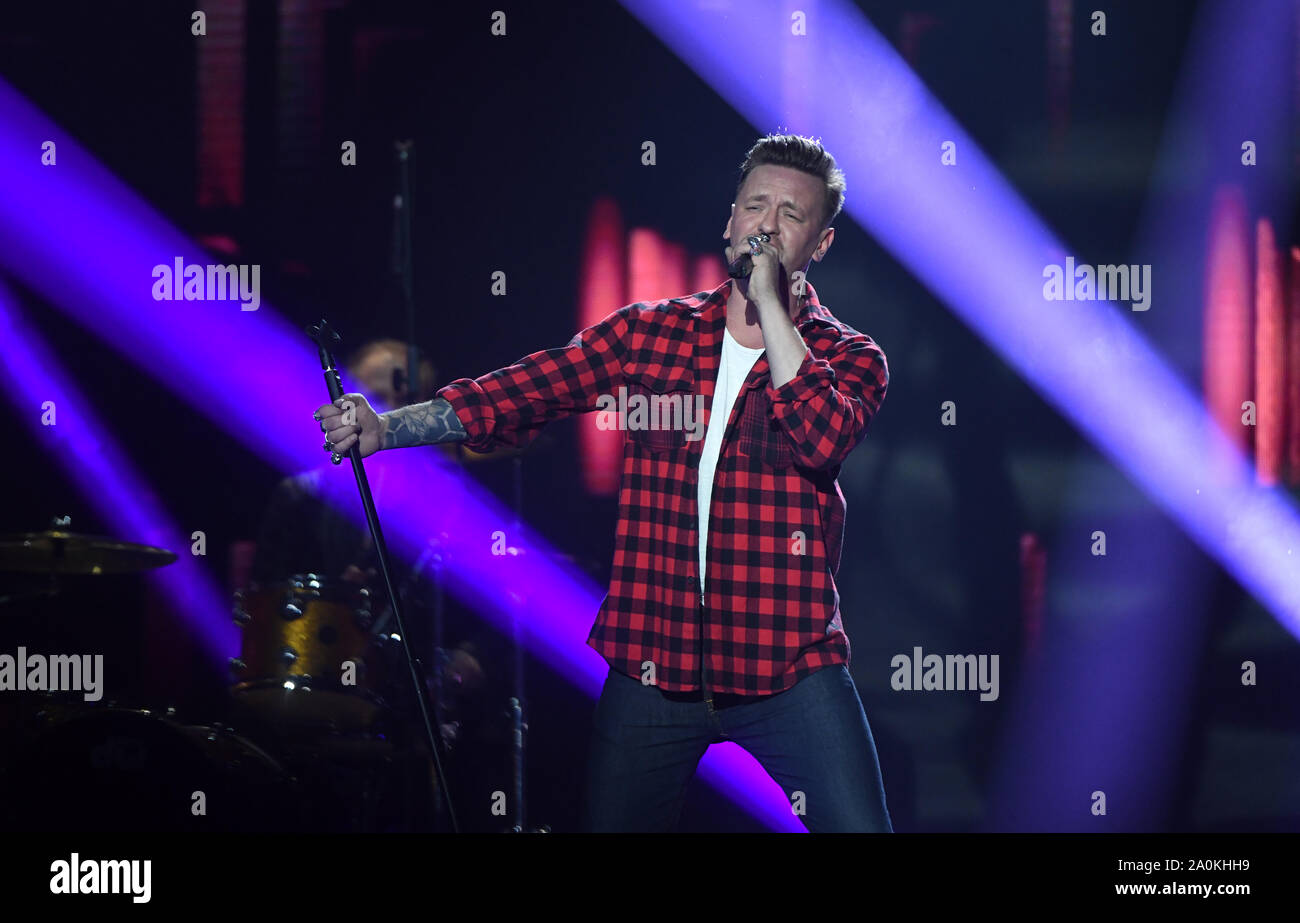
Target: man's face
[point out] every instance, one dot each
(786, 204)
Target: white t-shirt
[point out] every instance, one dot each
(734, 368)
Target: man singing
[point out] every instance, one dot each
(722, 620)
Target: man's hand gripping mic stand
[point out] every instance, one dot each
(325, 338)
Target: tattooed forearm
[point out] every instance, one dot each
(421, 424)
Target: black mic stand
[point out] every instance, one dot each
(325, 337)
(412, 382)
(402, 264)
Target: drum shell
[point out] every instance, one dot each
(298, 637)
(128, 770)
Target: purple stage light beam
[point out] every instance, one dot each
(75, 234)
(1128, 736)
(34, 383)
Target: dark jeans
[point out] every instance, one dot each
(811, 738)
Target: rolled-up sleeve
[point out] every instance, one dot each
(508, 407)
(826, 408)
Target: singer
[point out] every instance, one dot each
(722, 620)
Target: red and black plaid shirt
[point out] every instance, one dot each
(770, 614)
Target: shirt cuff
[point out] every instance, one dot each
(469, 411)
(812, 372)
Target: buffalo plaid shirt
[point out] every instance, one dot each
(770, 613)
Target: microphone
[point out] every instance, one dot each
(743, 265)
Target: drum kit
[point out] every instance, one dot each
(314, 684)
(357, 726)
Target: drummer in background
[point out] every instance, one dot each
(302, 534)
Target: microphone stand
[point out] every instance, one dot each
(402, 259)
(325, 336)
(404, 269)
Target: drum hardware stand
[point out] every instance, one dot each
(431, 560)
(515, 706)
(324, 337)
(440, 657)
(50, 591)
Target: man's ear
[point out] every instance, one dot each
(825, 245)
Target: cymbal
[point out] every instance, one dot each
(71, 553)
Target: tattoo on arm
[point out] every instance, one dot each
(422, 424)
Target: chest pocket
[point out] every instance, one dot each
(758, 435)
(660, 399)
